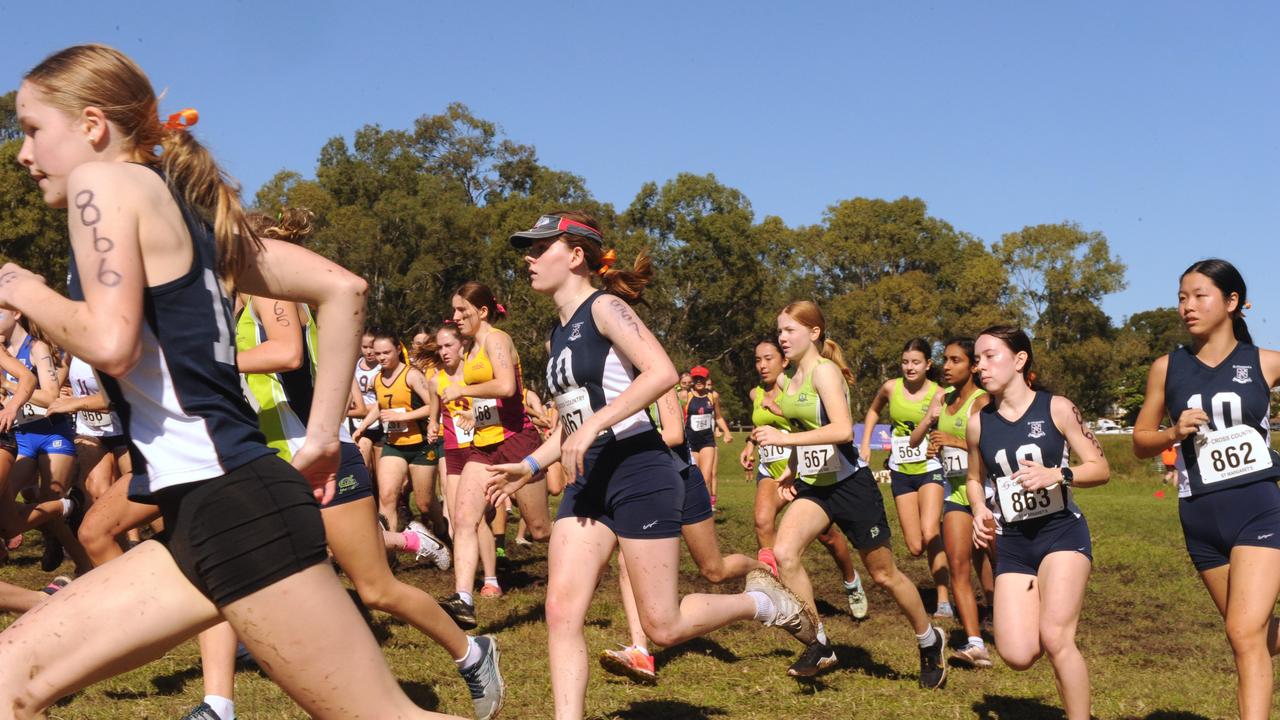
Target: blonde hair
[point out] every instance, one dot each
(292, 225)
(809, 315)
(99, 76)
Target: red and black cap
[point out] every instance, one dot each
(549, 226)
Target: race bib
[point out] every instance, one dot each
(486, 410)
(96, 420)
(464, 436)
(1017, 504)
(29, 413)
(398, 426)
(770, 454)
(817, 459)
(575, 408)
(1230, 452)
(955, 461)
(701, 423)
(905, 452)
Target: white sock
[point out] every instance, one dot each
(466, 598)
(472, 656)
(67, 507)
(225, 708)
(491, 581)
(926, 638)
(764, 606)
(851, 586)
(822, 634)
(641, 648)
(977, 642)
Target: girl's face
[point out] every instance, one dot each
(769, 363)
(956, 367)
(54, 143)
(420, 340)
(700, 384)
(1202, 305)
(468, 316)
(8, 319)
(686, 381)
(551, 262)
(915, 365)
(794, 337)
(450, 348)
(386, 353)
(366, 349)
(998, 365)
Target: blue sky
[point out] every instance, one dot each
(1155, 123)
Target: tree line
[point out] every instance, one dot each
(419, 210)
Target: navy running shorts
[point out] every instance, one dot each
(1022, 546)
(354, 482)
(697, 501)
(903, 483)
(631, 486)
(1216, 522)
(855, 505)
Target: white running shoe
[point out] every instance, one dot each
(429, 546)
(789, 611)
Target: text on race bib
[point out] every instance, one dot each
(770, 454)
(486, 410)
(575, 408)
(29, 413)
(96, 420)
(1231, 452)
(398, 426)
(1017, 504)
(905, 452)
(701, 423)
(463, 435)
(816, 460)
(955, 461)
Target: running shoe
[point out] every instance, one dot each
(815, 659)
(630, 662)
(53, 554)
(944, 610)
(933, 672)
(490, 591)
(15, 542)
(765, 555)
(79, 505)
(971, 656)
(202, 712)
(462, 612)
(484, 680)
(789, 611)
(521, 540)
(857, 596)
(429, 546)
(56, 584)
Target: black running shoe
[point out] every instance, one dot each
(462, 612)
(53, 554)
(202, 712)
(816, 658)
(79, 505)
(933, 671)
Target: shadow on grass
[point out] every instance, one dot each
(667, 710)
(1167, 715)
(422, 694)
(520, 580)
(1003, 707)
(696, 646)
(536, 613)
(859, 660)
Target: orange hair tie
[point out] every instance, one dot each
(607, 261)
(182, 119)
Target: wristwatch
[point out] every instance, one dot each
(1068, 477)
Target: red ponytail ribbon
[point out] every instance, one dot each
(607, 262)
(182, 119)
(501, 310)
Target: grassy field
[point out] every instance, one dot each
(1154, 643)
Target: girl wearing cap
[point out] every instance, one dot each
(831, 484)
(503, 434)
(944, 427)
(917, 478)
(1216, 393)
(703, 423)
(243, 536)
(605, 368)
(1019, 447)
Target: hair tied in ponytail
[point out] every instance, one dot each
(182, 119)
(607, 261)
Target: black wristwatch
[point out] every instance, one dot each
(1068, 477)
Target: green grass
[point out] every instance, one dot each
(1154, 643)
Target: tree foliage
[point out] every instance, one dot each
(418, 211)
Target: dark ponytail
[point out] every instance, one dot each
(1228, 279)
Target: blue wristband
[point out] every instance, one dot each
(534, 467)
